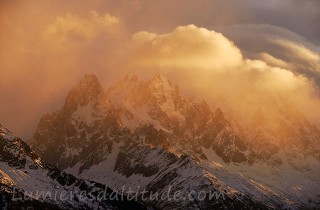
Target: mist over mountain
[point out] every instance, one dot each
(146, 133)
(233, 56)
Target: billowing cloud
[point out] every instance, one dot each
(206, 64)
(278, 47)
(47, 46)
(298, 51)
(187, 47)
(299, 55)
(273, 61)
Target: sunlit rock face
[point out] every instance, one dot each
(86, 120)
(139, 131)
(188, 124)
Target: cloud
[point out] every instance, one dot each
(83, 43)
(207, 64)
(278, 47)
(301, 17)
(298, 51)
(186, 47)
(40, 64)
(47, 46)
(273, 61)
(299, 55)
(71, 27)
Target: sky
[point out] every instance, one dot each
(212, 48)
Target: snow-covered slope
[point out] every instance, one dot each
(28, 181)
(154, 170)
(282, 184)
(150, 136)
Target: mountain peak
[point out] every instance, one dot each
(159, 83)
(90, 83)
(158, 77)
(5, 133)
(88, 90)
(219, 115)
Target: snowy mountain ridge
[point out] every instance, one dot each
(147, 130)
(26, 181)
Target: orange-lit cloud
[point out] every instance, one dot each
(278, 47)
(68, 27)
(47, 46)
(273, 61)
(298, 51)
(208, 65)
(37, 69)
(187, 47)
(299, 56)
